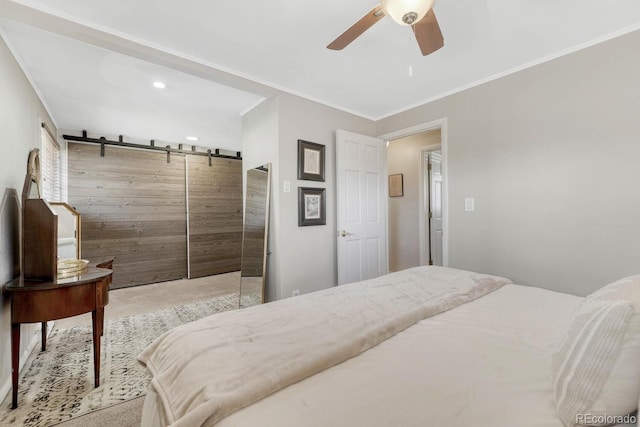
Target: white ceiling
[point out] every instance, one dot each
(96, 73)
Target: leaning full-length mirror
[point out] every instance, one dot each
(254, 236)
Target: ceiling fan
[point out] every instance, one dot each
(415, 13)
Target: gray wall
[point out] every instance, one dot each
(20, 115)
(302, 258)
(308, 254)
(551, 156)
(259, 146)
(404, 156)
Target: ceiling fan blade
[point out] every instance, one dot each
(356, 29)
(428, 34)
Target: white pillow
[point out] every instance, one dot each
(596, 370)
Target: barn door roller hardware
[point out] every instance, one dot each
(152, 146)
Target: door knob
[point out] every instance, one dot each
(345, 233)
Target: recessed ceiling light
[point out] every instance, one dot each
(192, 138)
(159, 85)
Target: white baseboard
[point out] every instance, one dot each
(35, 340)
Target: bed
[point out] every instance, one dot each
(462, 349)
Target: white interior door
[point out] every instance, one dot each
(362, 215)
(435, 200)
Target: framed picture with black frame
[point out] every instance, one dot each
(310, 161)
(312, 208)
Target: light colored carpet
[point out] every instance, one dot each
(57, 385)
(141, 299)
(125, 414)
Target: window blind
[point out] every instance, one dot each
(50, 167)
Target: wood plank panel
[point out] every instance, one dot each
(215, 215)
(120, 216)
(133, 207)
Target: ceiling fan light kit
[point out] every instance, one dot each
(406, 12)
(418, 14)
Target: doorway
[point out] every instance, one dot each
(417, 218)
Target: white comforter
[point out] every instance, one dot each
(483, 364)
(208, 369)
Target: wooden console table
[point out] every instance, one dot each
(36, 301)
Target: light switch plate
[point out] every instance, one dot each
(287, 187)
(469, 204)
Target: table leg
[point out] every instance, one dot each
(102, 322)
(44, 336)
(96, 317)
(15, 362)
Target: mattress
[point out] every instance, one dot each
(485, 363)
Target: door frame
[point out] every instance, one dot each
(419, 128)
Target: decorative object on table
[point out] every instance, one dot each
(395, 185)
(71, 267)
(311, 206)
(39, 227)
(33, 174)
(310, 161)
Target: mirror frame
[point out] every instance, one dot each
(265, 249)
(78, 230)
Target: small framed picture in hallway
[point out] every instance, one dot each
(395, 185)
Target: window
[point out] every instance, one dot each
(51, 170)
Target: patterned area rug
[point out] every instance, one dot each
(57, 385)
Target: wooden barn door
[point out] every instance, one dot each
(133, 207)
(215, 215)
(160, 221)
